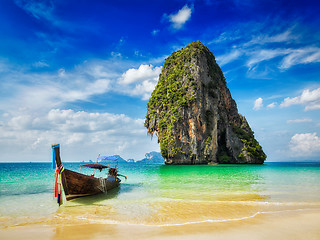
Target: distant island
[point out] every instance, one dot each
(194, 116)
(150, 158)
(119, 159)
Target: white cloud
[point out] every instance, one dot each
(181, 17)
(300, 56)
(229, 57)
(20, 122)
(75, 130)
(32, 118)
(303, 120)
(258, 104)
(44, 96)
(41, 91)
(143, 73)
(310, 99)
(288, 57)
(272, 105)
(305, 144)
(276, 47)
(285, 37)
(141, 81)
(71, 121)
(264, 54)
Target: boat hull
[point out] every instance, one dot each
(81, 185)
(77, 185)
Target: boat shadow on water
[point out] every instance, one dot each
(97, 198)
(111, 194)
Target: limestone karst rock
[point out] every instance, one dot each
(194, 116)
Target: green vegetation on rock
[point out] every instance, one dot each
(175, 90)
(252, 147)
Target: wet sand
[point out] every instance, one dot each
(294, 224)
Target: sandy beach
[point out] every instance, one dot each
(295, 224)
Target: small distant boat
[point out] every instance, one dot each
(76, 184)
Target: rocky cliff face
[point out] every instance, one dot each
(194, 116)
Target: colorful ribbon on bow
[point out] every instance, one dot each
(58, 185)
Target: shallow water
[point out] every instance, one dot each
(161, 195)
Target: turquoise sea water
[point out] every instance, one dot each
(161, 195)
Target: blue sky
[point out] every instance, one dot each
(80, 73)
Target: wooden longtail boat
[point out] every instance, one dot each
(77, 185)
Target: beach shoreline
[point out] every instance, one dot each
(293, 224)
